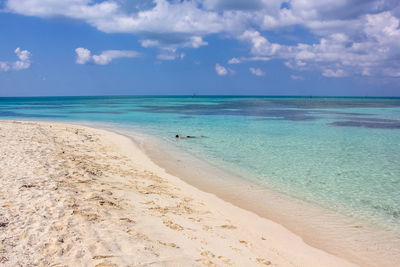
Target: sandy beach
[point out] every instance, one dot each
(76, 196)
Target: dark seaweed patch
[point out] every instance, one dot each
(368, 124)
(370, 119)
(233, 109)
(341, 113)
(97, 112)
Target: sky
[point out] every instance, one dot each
(207, 47)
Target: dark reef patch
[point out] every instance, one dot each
(97, 112)
(368, 124)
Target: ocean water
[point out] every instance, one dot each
(342, 154)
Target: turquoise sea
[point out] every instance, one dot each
(342, 154)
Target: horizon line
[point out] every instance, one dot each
(200, 95)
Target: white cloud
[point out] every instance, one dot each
(170, 56)
(259, 44)
(356, 37)
(23, 62)
(170, 53)
(297, 77)
(334, 73)
(375, 51)
(107, 56)
(221, 71)
(173, 24)
(4, 66)
(234, 60)
(233, 4)
(238, 60)
(84, 56)
(173, 42)
(257, 71)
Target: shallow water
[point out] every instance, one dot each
(342, 154)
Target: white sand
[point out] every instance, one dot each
(76, 196)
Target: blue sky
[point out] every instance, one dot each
(252, 47)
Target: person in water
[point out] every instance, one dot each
(187, 136)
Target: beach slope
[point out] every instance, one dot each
(77, 196)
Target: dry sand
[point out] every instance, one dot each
(76, 196)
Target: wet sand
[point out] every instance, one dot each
(77, 196)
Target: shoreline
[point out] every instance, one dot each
(351, 240)
(85, 195)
